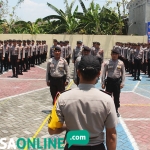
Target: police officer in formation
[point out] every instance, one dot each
(135, 58)
(115, 71)
(85, 51)
(21, 55)
(57, 74)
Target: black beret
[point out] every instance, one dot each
(116, 50)
(54, 40)
(57, 48)
(5, 41)
(98, 43)
(14, 40)
(24, 41)
(79, 42)
(86, 48)
(89, 62)
(33, 41)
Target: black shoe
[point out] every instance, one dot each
(16, 76)
(139, 79)
(13, 76)
(118, 115)
(134, 79)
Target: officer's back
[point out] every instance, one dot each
(87, 108)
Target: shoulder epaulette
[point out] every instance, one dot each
(110, 94)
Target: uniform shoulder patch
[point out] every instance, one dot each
(110, 94)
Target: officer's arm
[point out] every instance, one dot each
(47, 72)
(110, 125)
(75, 71)
(73, 55)
(67, 72)
(123, 74)
(111, 138)
(103, 72)
(143, 57)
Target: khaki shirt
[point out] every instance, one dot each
(57, 68)
(87, 108)
(113, 69)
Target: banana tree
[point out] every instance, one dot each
(67, 21)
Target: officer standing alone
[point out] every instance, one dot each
(115, 71)
(55, 77)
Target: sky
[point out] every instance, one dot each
(30, 10)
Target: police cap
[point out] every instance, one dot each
(54, 40)
(116, 50)
(98, 43)
(89, 63)
(57, 48)
(79, 42)
(86, 48)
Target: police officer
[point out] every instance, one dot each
(22, 56)
(68, 51)
(25, 49)
(87, 108)
(137, 59)
(5, 55)
(77, 51)
(98, 52)
(55, 43)
(1, 57)
(55, 76)
(15, 56)
(148, 59)
(45, 50)
(33, 53)
(115, 71)
(85, 51)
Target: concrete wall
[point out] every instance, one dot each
(139, 15)
(107, 41)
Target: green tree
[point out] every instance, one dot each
(67, 21)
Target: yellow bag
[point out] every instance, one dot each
(54, 122)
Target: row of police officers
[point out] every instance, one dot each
(67, 51)
(57, 75)
(21, 55)
(136, 57)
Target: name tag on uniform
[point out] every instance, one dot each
(110, 67)
(119, 67)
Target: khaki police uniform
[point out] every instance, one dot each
(77, 51)
(115, 72)
(15, 57)
(87, 108)
(55, 74)
(5, 56)
(137, 59)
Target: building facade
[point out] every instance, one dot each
(139, 15)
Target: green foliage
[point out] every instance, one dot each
(93, 20)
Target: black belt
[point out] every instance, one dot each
(57, 78)
(113, 79)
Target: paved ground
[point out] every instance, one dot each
(24, 101)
